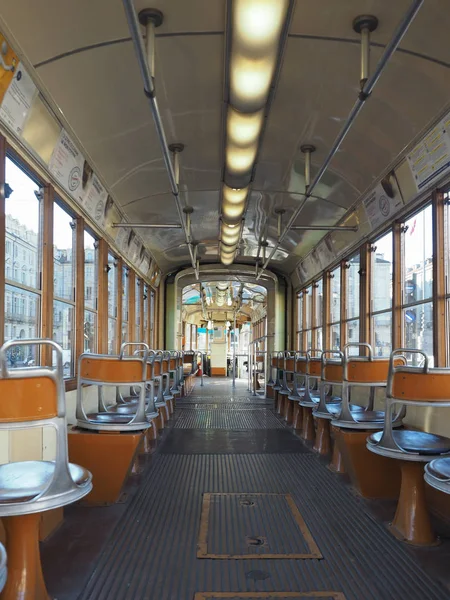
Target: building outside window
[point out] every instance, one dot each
(22, 285)
(417, 288)
(300, 321)
(335, 308)
(112, 303)
(318, 315)
(125, 300)
(90, 293)
(352, 288)
(308, 300)
(138, 303)
(381, 294)
(64, 285)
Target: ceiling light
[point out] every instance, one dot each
(258, 23)
(234, 195)
(227, 260)
(243, 129)
(232, 214)
(229, 236)
(240, 160)
(229, 301)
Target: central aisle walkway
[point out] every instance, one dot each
(235, 506)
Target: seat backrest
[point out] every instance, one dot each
(424, 384)
(367, 369)
(313, 362)
(32, 393)
(35, 396)
(105, 369)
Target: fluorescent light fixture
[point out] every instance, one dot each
(257, 27)
(258, 23)
(230, 235)
(233, 195)
(240, 160)
(243, 129)
(250, 81)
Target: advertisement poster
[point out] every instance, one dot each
(123, 234)
(94, 201)
(384, 201)
(431, 157)
(69, 167)
(17, 100)
(134, 248)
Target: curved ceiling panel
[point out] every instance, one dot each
(86, 63)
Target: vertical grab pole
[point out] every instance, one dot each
(249, 371)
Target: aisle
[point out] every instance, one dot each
(235, 506)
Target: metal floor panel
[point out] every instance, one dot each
(227, 418)
(153, 551)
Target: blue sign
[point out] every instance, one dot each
(410, 316)
(410, 286)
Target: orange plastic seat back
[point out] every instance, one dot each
(111, 370)
(301, 366)
(421, 386)
(333, 371)
(314, 367)
(28, 399)
(173, 364)
(289, 364)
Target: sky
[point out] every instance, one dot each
(22, 205)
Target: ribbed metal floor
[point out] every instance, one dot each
(160, 549)
(227, 418)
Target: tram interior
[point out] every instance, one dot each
(224, 300)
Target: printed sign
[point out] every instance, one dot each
(383, 201)
(18, 99)
(431, 157)
(69, 167)
(95, 201)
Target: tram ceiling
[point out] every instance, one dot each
(85, 62)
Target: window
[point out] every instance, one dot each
(308, 300)
(300, 321)
(381, 295)
(335, 309)
(90, 293)
(64, 285)
(352, 288)
(417, 292)
(22, 307)
(125, 299)
(145, 302)
(152, 320)
(112, 304)
(137, 312)
(318, 314)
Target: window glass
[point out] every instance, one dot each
(112, 338)
(319, 339)
(63, 320)
(188, 336)
(22, 310)
(308, 300)
(299, 311)
(146, 324)
(335, 336)
(353, 333)
(22, 212)
(125, 297)
(418, 257)
(137, 317)
(418, 330)
(352, 286)
(90, 271)
(112, 286)
(63, 254)
(309, 339)
(382, 333)
(319, 303)
(152, 320)
(90, 331)
(382, 263)
(335, 295)
(299, 340)
(112, 304)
